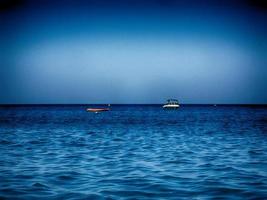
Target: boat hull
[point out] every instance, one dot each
(171, 106)
(97, 109)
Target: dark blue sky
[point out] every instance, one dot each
(133, 52)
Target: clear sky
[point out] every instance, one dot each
(133, 51)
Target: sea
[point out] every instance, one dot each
(133, 152)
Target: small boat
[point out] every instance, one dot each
(171, 104)
(97, 109)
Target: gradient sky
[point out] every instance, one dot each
(133, 51)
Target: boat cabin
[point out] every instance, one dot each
(172, 102)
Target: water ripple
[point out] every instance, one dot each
(135, 152)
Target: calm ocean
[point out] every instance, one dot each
(133, 152)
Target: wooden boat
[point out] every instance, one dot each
(96, 110)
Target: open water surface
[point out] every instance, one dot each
(133, 152)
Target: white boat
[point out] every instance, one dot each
(97, 110)
(171, 104)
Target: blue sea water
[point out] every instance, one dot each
(133, 152)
